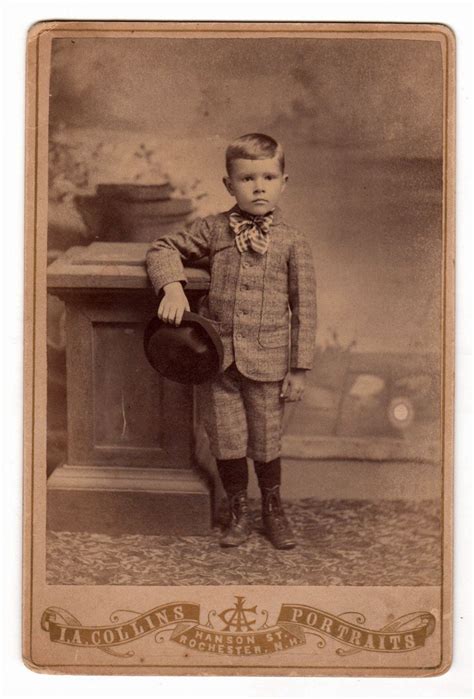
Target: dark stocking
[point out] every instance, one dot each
(234, 475)
(268, 474)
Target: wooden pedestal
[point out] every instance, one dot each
(130, 463)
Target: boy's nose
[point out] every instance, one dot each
(259, 187)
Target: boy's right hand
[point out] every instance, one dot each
(173, 304)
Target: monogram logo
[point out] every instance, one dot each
(237, 617)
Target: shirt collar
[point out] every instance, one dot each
(277, 214)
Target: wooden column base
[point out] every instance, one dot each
(119, 500)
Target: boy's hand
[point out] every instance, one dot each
(173, 304)
(293, 385)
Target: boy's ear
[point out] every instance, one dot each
(285, 181)
(228, 185)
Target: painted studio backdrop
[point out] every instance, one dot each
(361, 124)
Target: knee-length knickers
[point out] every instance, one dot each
(242, 417)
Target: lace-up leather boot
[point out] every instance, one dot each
(275, 525)
(240, 527)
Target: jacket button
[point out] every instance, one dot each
(244, 286)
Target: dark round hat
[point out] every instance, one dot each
(191, 353)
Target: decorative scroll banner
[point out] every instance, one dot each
(408, 632)
(64, 628)
(271, 640)
(237, 635)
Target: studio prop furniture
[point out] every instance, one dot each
(130, 464)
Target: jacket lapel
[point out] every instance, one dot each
(224, 236)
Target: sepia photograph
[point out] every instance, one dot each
(242, 322)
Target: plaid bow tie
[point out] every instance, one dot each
(251, 232)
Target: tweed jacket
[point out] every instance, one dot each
(263, 306)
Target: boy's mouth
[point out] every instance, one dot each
(260, 201)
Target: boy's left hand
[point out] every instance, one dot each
(293, 385)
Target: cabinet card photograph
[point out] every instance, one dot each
(239, 337)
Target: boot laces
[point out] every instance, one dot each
(274, 507)
(238, 507)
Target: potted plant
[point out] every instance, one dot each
(119, 189)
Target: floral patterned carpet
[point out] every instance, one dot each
(341, 542)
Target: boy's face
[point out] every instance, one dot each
(256, 184)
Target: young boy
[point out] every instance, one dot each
(261, 269)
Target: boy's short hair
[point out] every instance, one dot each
(254, 146)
